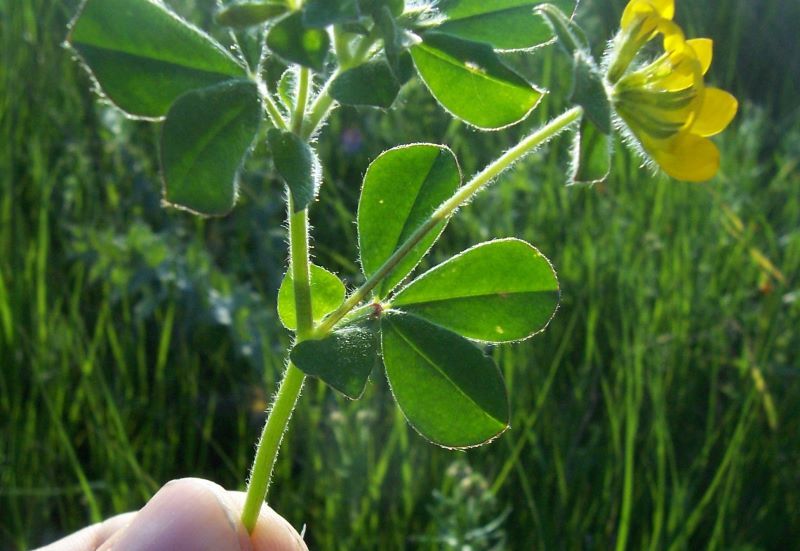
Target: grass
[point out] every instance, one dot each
(658, 411)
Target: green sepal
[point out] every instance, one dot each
(402, 187)
(298, 165)
(200, 155)
(294, 42)
(449, 391)
(591, 154)
(247, 14)
(471, 82)
(569, 35)
(143, 56)
(371, 83)
(321, 13)
(327, 294)
(344, 359)
(499, 291)
(506, 25)
(589, 91)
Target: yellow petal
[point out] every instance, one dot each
(666, 8)
(663, 8)
(716, 112)
(687, 157)
(636, 8)
(703, 47)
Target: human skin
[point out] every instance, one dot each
(189, 514)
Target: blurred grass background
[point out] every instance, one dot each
(661, 409)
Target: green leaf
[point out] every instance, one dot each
(294, 42)
(591, 155)
(589, 91)
(298, 164)
(396, 42)
(470, 81)
(448, 390)
(247, 14)
(144, 57)
(371, 83)
(203, 141)
(344, 359)
(504, 24)
(327, 294)
(499, 291)
(402, 187)
(395, 7)
(568, 34)
(321, 13)
(287, 88)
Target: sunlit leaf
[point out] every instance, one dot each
(499, 291)
(402, 187)
(470, 81)
(327, 294)
(448, 390)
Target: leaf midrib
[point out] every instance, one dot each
(470, 296)
(447, 58)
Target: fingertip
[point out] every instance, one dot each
(185, 514)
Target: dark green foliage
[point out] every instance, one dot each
(297, 163)
(148, 58)
(369, 84)
(247, 14)
(344, 359)
(295, 42)
(200, 156)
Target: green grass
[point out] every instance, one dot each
(660, 410)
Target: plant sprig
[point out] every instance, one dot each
(425, 329)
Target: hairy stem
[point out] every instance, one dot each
(302, 100)
(271, 436)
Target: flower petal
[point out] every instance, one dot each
(662, 8)
(703, 47)
(716, 112)
(687, 157)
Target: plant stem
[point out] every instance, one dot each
(292, 383)
(323, 102)
(298, 247)
(461, 197)
(271, 436)
(273, 111)
(302, 101)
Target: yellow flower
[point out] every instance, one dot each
(664, 102)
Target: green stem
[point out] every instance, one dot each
(323, 102)
(461, 197)
(271, 436)
(302, 101)
(272, 110)
(298, 246)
